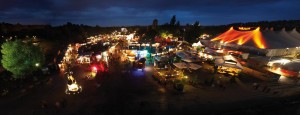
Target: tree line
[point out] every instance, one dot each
(71, 33)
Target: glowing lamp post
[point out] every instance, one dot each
(37, 65)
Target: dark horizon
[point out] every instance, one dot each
(129, 13)
(143, 25)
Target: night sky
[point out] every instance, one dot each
(142, 12)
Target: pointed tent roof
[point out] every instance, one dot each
(197, 44)
(261, 38)
(294, 33)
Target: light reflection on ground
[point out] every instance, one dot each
(162, 90)
(138, 73)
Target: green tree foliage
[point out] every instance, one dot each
(21, 58)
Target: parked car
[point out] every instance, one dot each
(140, 64)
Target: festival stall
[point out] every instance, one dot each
(228, 65)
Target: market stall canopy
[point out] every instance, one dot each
(182, 54)
(187, 65)
(191, 59)
(180, 65)
(161, 58)
(187, 57)
(228, 61)
(192, 51)
(194, 66)
(213, 51)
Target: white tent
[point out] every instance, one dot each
(197, 44)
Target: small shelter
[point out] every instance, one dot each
(228, 64)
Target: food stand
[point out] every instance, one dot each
(228, 65)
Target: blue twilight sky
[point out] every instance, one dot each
(142, 12)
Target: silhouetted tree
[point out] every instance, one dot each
(173, 20)
(154, 24)
(192, 32)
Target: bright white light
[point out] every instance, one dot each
(281, 61)
(73, 87)
(220, 51)
(98, 57)
(284, 61)
(94, 68)
(210, 57)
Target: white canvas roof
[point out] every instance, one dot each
(232, 62)
(294, 34)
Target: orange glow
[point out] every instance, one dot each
(258, 39)
(242, 37)
(244, 28)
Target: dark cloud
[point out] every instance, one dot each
(142, 12)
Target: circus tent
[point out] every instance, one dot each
(275, 43)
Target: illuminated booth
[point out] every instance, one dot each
(228, 64)
(84, 59)
(211, 54)
(136, 54)
(160, 62)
